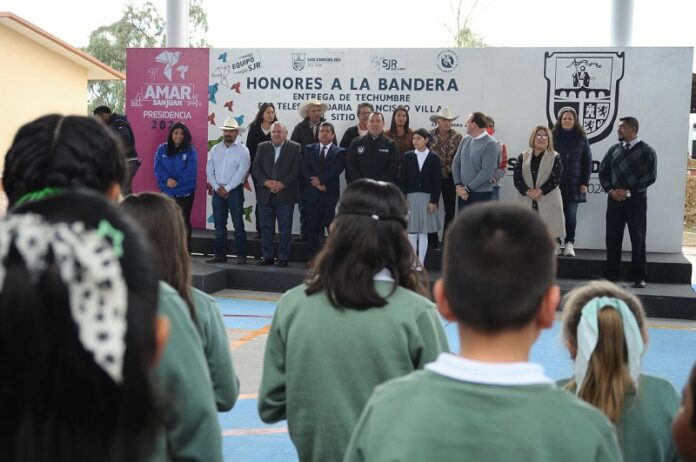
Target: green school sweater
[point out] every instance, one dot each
(216, 348)
(321, 364)
(190, 420)
(645, 428)
(426, 416)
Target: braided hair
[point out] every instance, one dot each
(68, 152)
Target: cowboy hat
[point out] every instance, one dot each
(444, 113)
(312, 102)
(231, 124)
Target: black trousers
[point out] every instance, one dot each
(449, 194)
(186, 205)
(631, 212)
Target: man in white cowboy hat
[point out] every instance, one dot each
(305, 133)
(444, 144)
(227, 167)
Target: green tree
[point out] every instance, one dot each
(462, 34)
(140, 27)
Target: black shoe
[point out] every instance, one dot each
(241, 260)
(257, 236)
(640, 284)
(217, 260)
(265, 262)
(301, 238)
(282, 264)
(611, 277)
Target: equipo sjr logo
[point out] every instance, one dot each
(387, 64)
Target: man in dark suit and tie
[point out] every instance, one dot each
(277, 171)
(322, 165)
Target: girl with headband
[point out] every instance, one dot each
(360, 320)
(79, 333)
(604, 330)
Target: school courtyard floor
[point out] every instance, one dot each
(671, 353)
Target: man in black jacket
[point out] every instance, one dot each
(374, 155)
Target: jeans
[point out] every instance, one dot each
(495, 193)
(474, 197)
(269, 213)
(570, 210)
(234, 203)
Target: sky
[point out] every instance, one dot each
(387, 23)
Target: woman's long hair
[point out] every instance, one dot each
(259, 115)
(367, 235)
(608, 380)
(392, 127)
(160, 216)
(56, 403)
(185, 144)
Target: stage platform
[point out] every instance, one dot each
(669, 293)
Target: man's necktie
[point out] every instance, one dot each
(322, 158)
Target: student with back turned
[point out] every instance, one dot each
(488, 403)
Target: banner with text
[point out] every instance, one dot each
(165, 86)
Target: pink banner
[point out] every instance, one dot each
(164, 86)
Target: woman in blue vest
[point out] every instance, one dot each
(176, 163)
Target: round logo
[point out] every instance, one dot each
(447, 60)
(361, 149)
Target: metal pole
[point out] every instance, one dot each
(622, 22)
(177, 23)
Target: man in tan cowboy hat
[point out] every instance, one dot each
(306, 133)
(227, 167)
(444, 144)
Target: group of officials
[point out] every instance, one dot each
(305, 170)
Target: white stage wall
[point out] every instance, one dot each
(519, 87)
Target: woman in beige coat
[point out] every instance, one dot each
(537, 174)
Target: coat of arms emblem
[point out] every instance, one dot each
(589, 83)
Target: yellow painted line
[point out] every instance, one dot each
(248, 396)
(255, 431)
(670, 327)
(252, 297)
(234, 344)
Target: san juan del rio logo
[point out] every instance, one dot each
(589, 83)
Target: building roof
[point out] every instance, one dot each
(96, 70)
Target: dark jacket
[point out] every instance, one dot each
(349, 136)
(576, 158)
(427, 180)
(333, 167)
(286, 170)
(304, 135)
(255, 137)
(375, 158)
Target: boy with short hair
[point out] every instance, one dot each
(489, 403)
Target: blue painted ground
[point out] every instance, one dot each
(671, 353)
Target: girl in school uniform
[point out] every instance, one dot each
(161, 219)
(361, 319)
(419, 179)
(604, 330)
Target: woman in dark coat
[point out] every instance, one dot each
(571, 143)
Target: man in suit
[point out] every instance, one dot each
(322, 164)
(277, 171)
